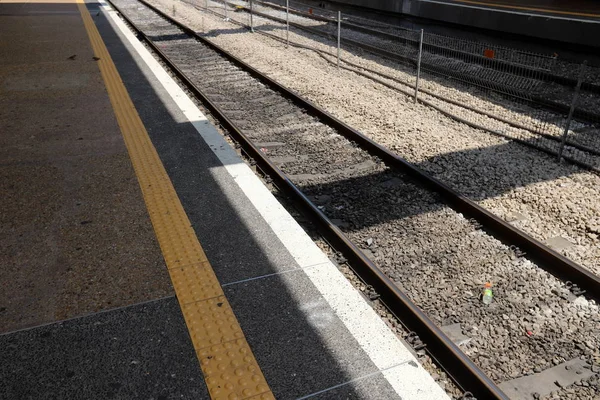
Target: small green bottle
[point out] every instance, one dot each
(487, 296)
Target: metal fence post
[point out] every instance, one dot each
(339, 37)
(419, 66)
(572, 109)
(205, 11)
(251, 17)
(287, 23)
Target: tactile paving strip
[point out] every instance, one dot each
(212, 322)
(194, 283)
(229, 367)
(232, 361)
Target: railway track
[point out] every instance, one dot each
(583, 151)
(537, 88)
(369, 201)
(509, 64)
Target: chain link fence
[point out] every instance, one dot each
(535, 99)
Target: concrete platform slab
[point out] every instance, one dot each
(39, 26)
(297, 336)
(559, 23)
(548, 381)
(75, 234)
(357, 389)
(137, 352)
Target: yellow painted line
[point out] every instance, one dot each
(229, 367)
(545, 10)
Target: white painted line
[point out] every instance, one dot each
(84, 316)
(287, 271)
(54, 12)
(360, 378)
(382, 346)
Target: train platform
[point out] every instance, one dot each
(561, 25)
(142, 258)
(580, 10)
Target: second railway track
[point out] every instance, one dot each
(537, 128)
(443, 46)
(532, 85)
(412, 228)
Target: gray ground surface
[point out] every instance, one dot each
(75, 237)
(138, 352)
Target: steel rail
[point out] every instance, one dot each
(445, 112)
(462, 370)
(579, 114)
(433, 48)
